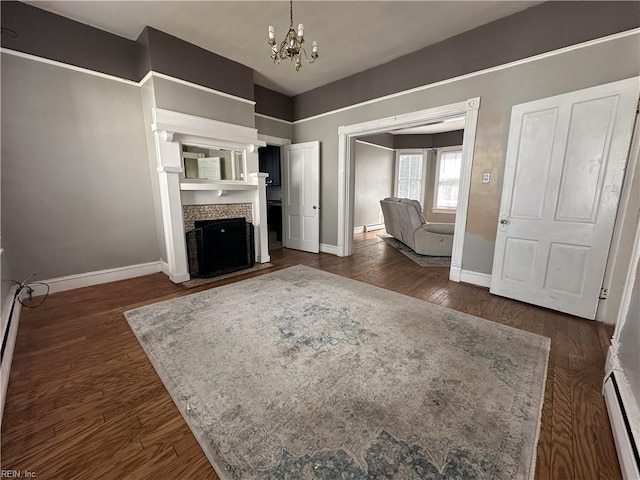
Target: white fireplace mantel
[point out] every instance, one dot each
(171, 131)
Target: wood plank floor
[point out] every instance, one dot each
(85, 403)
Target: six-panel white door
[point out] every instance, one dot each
(301, 206)
(564, 168)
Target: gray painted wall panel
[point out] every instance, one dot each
(375, 168)
(274, 128)
(272, 103)
(185, 99)
(499, 91)
(76, 192)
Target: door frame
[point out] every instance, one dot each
(346, 151)
(278, 142)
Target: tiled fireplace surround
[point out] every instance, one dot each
(182, 201)
(191, 213)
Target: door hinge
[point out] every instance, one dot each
(604, 293)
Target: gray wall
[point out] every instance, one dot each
(630, 340)
(185, 99)
(499, 91)
(274, 128)
(374, 171)
(55, 37)
(272, 103)
(173, 56)
(536, 30)
(76, 191)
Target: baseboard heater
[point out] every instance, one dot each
(216, 247)
(625, 438)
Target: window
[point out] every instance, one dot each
(447, 186)
(410, 175)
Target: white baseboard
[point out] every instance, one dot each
(71, 282)
(374, 226)
(357, 230)
(617, 400)
(475, 278)
(332, 249)
(11, 343)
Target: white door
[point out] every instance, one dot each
(301, 205)
(565, 163)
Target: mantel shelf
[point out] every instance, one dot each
(216, 185)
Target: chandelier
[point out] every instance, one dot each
(291, 47)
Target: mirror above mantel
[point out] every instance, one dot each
(215, 164)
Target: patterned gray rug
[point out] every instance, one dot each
(422, 260)
(302, 374)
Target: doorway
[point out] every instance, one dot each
(270, 161)
(346, 167)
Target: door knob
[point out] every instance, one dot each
(504, 221)
(315, 208)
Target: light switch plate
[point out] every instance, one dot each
(486, 177)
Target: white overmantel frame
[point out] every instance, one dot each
(346, 136)
(172, 130)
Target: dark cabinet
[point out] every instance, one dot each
(269, 158)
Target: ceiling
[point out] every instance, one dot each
(352, 36)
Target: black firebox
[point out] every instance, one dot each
(216, 247)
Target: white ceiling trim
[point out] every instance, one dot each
(628, 33)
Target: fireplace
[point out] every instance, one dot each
(206, 169)
(216, 247)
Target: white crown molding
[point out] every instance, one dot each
(55, 63)
(150, 74)
(145, 79)
(275, 119)
(197, 86)
(560, 51)
(374, 145)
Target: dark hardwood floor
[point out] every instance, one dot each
(85, 403)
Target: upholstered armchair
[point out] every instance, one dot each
(403, 219)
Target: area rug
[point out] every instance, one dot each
(196, 282)
(302, 374)
(422, 260)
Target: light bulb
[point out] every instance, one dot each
(300, 30)
(314, 47)
(272, 32)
